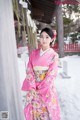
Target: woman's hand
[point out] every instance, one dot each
(33, 92)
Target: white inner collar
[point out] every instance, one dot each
(42, 52)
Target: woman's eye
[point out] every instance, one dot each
(47, 37)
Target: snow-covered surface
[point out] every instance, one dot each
(68, 89)
(21, 50)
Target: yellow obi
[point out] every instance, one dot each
(40, 73)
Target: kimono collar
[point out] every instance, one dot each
(42, 52)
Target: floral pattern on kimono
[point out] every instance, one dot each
(41, 98)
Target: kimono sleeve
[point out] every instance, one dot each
(53, 68)
(51, 74)
(29, 82)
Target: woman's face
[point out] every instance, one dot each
(45, 40)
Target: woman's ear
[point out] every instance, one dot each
(52, 39)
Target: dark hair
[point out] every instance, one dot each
(48, 31)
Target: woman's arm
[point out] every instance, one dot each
(29, 82)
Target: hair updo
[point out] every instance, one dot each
(48, 31)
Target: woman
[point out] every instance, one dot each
(41, 98)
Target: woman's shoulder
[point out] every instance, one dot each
(34, 51)
(54, 56)
(54, 53)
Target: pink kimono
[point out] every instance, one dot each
(41, 98)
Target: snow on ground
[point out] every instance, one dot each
(68, 89)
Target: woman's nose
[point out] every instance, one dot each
(44, 39)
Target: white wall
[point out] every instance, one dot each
(10, 98)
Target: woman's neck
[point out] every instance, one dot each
(45, 48)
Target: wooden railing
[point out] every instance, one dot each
(68, 47)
